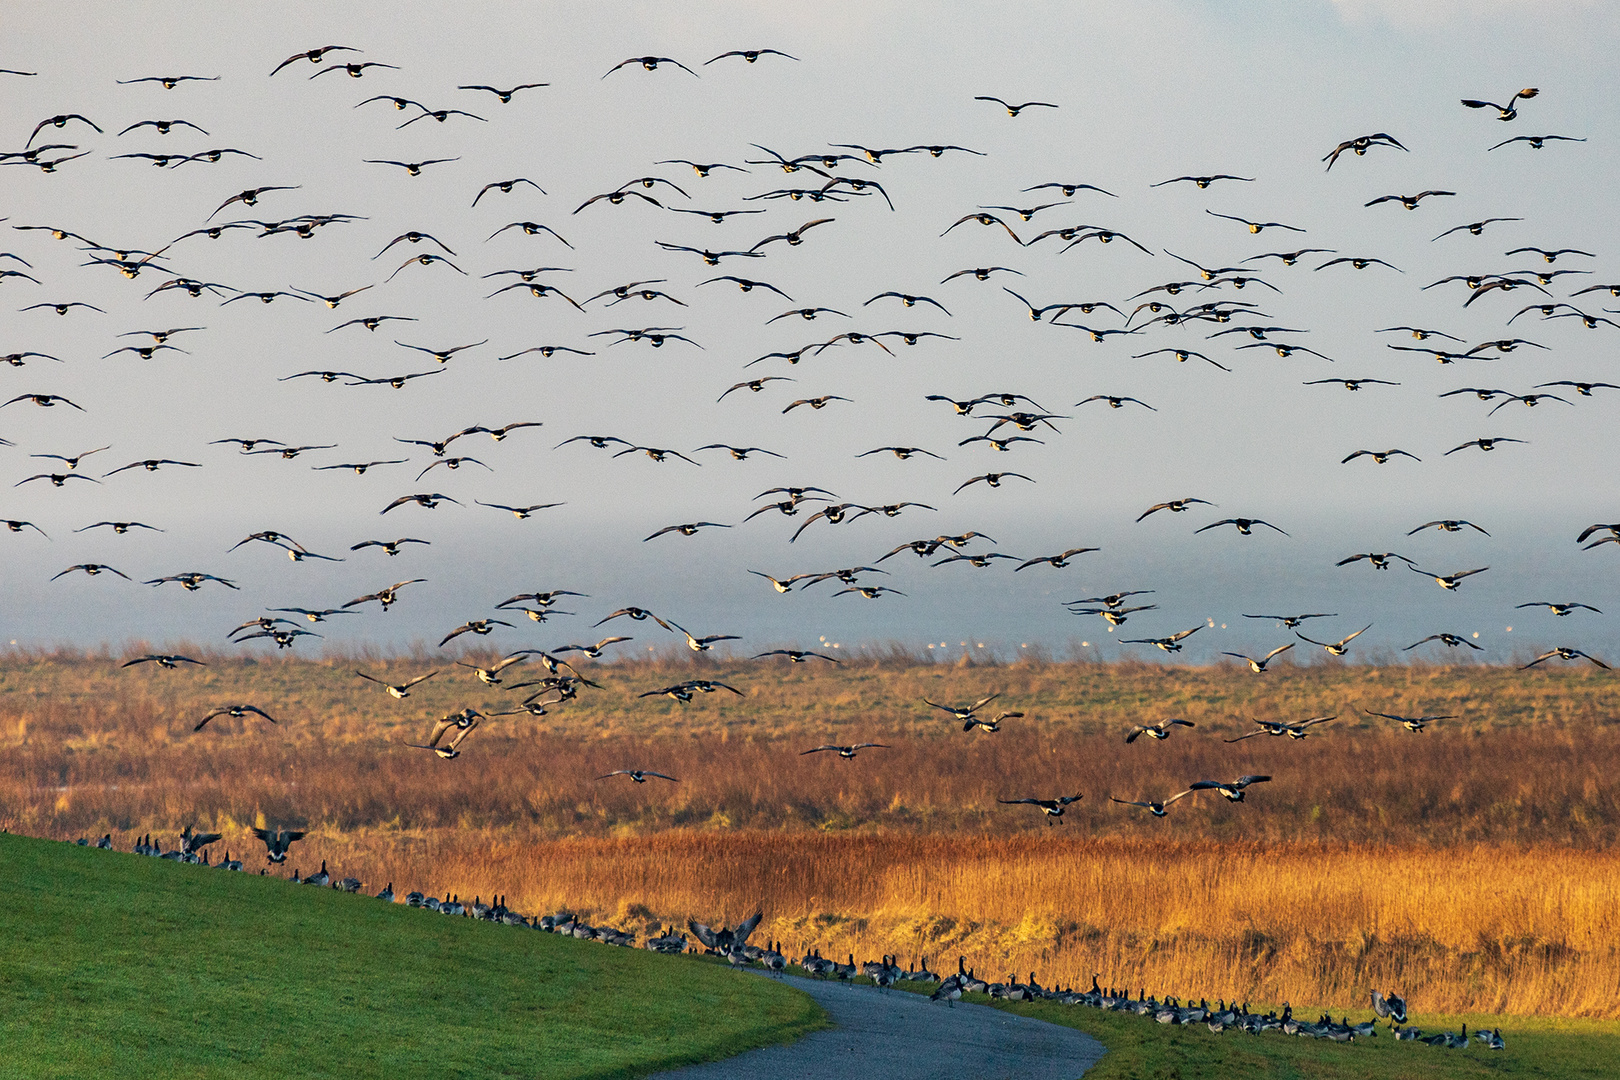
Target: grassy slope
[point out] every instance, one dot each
(1139, 1049)
(116, 965)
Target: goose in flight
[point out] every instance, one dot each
(482, 627)
(1447, 525)
(1053, 809)
(1414, 724)
(1558, 609)
(1409, 202)
(463, 722)
(519, 512)
(991, 725)
(277, 841)
(1449, 581)
(1379, 559)
(963, 712)
(391, 548)
(1279, 728)
(688, 529)
(702, 644)
(1379, 457)
(236, 711)
(1113, 600)
(592, 651)
(1565, 653)
(1115, 616)
(1233, 791)
(638, 614)
(1157, 809)
(491, 676)
(1483, 444)
(797, 656)
(992, 479)
(398, 691)
(1259, 666)
(1175, 506)
(168, 661)
(1504, 112)
(1360, 145)
(314, 615)
(1058, 562)
(385, 597)
(638, 775)
(1244, 525)
(1449, 640)
(846, 752)
(1167, 644)
(1292, 622)
(1335, 648)
(1161, 730)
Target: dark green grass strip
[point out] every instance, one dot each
(118, 965)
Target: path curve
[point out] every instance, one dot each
(901, 1036)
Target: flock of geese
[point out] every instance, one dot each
(731, 944)
(163, 275)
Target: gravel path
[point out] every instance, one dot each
(901, 1036)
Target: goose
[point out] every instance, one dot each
(1558, 609)
(236, 712)
(1167, 644)
(1233, 791)
(1259, 666)
(1414, 724)
(1244, 526)
(1053, 809)
(1449, 640)
(963, 712)
(1449, 582)
(387, 894)
(845, 752)
(1563, 652)
(1335, 648)
(277, 842)
(1279, 728)
(319, 879)
(1157, 809)
(1161, 730)
(463, 722)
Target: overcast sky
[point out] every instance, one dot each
(1144, 93)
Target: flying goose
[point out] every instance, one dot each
(1563, 652)
(1232, 791)
(845, 752)
(638, 775)
(463, 722)
(1449, 581)
(1259, 666)
(277, 842)
(1161, 730)
(1337, 648)
(237, 711)
(1278, 728)
(1558, 609)
(397, 691)
(1052, 808)
(1414, 724)
(1157, 809)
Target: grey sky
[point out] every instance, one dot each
(1145, 92)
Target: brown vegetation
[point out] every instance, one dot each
(1465, 865)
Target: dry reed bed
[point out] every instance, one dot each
(1470, 929)
(1520, 785)
(1496, 891)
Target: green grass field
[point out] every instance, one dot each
(1139, 1049)
(116, 965)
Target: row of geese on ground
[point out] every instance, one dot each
(732, 945)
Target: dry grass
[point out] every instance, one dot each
(1488, 888)
(1472, 929)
